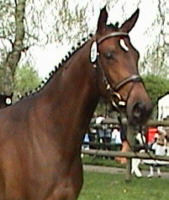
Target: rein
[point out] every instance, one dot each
(117, 100)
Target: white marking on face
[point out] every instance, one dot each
(123, 45)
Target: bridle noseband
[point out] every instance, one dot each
(117, 100)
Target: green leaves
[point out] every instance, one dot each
(26, 79)
(156, 86)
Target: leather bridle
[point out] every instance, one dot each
(117, 100)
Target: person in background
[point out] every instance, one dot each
(159, 148)
(107, 136)
(99, 119)
(100, 130)
(140, 141)
(125, 146)
(115, 137)
(86, 141)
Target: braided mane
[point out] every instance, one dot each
(64, 60)
(57, 67)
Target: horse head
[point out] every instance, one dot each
(116, 60)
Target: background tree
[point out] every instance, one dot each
(26, 79)
(12, 33)
(24, 23)
(157, 86)
(155, 60)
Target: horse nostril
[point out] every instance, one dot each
(138, 111)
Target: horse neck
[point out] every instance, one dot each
(2, 101)
(72, 94)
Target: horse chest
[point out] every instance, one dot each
(63, 183)
(41, 182)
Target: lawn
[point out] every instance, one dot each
(104, 186)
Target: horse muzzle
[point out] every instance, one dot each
(139, 109)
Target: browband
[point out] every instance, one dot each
(114, 34)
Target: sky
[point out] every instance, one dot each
(45, 58)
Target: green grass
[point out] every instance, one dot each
(103, 186)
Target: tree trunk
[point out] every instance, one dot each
(13, 57)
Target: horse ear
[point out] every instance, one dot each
(129, 24)
(102, 20)
(11, 95)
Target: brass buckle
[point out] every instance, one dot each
(117, 100)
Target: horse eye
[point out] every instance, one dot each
(108, 55)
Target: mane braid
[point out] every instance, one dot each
(56, 68)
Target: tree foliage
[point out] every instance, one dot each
(156, 86)
(155, 60)
(24, 23)
(12, 33)
(26, 79)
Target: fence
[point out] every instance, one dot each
(129, 155)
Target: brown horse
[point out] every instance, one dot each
(41, 135)
(5, 100)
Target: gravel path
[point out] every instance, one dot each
(114, 170)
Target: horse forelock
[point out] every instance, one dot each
(113, 27)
